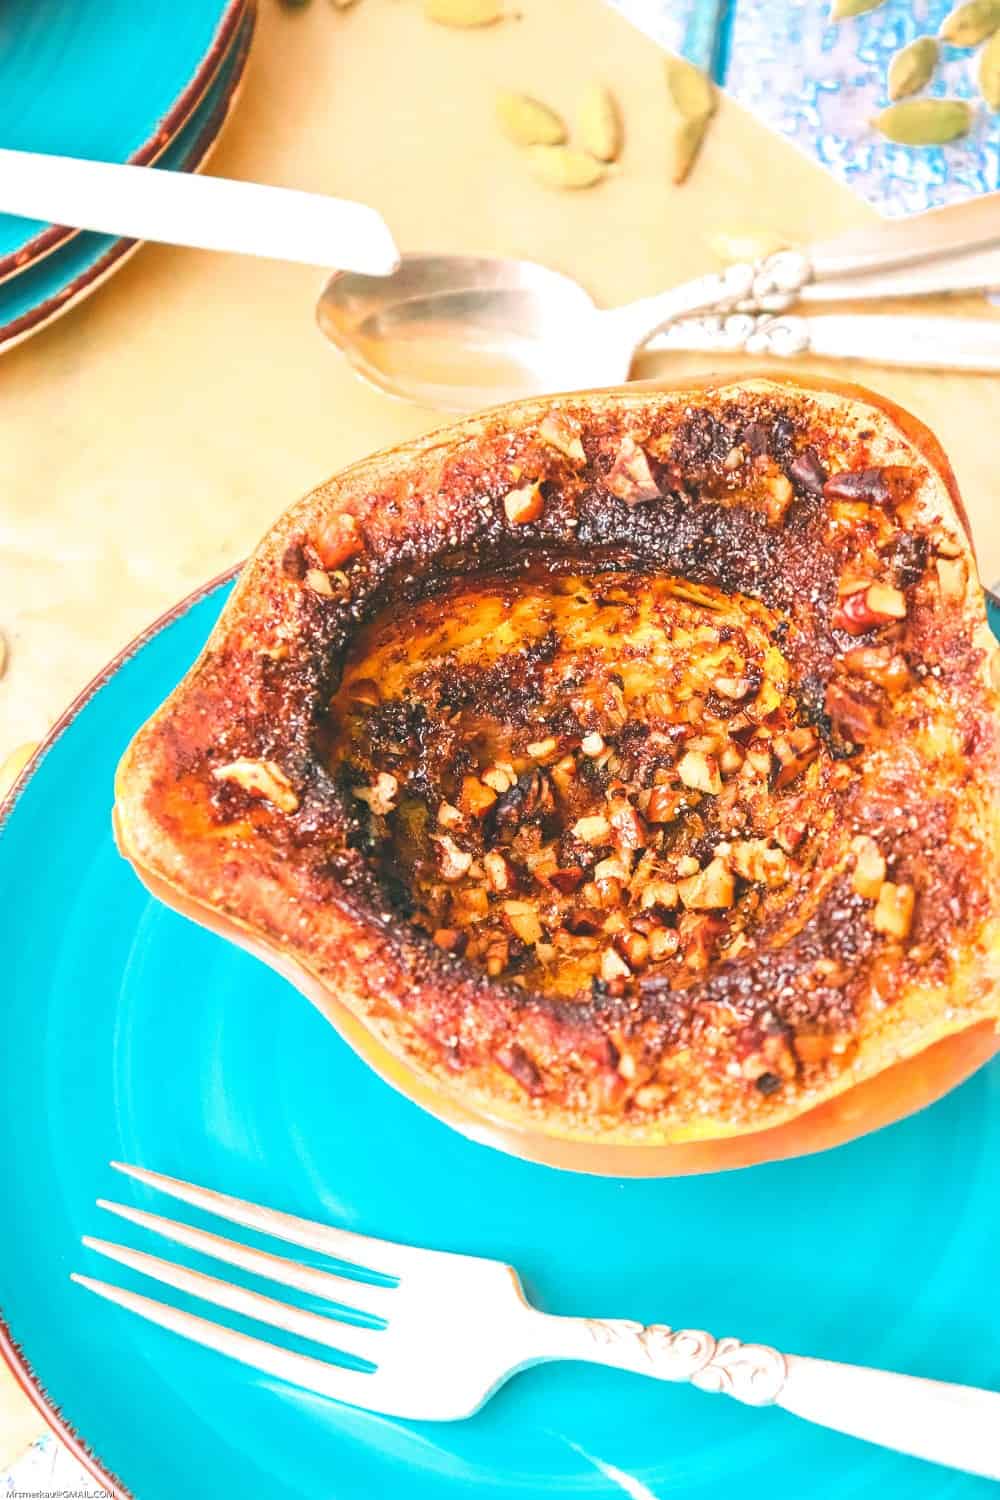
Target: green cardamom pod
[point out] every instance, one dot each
(842, 10)
(527, 121)
(687, 139)
(925, 122)
(565, 167)
(691, 90)
(989, 71)
(463, 13)
(600, 123)
(969, 24)
(912, 67)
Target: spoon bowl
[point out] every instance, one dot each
(459, 332)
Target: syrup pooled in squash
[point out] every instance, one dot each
(574, 781)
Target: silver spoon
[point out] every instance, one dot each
(461, 332)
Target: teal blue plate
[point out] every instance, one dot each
(106, 79)
(127, 1032)
(50, 286)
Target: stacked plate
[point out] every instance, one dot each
(151, 85)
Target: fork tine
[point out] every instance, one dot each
(346, 1337)
(325, 1284)
(357, 1249)
(300, 1369)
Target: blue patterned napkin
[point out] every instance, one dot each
(819, 84)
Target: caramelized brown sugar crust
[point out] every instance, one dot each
(626, 763)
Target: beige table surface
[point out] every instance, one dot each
(149, 437)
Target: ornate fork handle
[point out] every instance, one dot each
(753, 1373)
(949, 1424)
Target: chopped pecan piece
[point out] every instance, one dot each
(893, 914)
(522, 918)
(449, 816)
(338, 540)
(471, 903)
(381, 795)
(878, 604)
(758, 760)
(563, 775)
(451, 939)
(563, 433)
(542, 749)
(663, 943)
(851, 714)
(790, 832)
(592, 830)
(699, 932)
(712, 888)
(475, 798)
(613, 966)
(497, 956)
(524, 505)
(878, 664)
(884, 600)
(630, 478)
(868, 875)
(952, 577)
(757, 860)
(567, 879)
(700, 772)
(261, 778)
(779, 497)
(732, 687)
(659, 893)
(869, 485)
(583, 923)
(499, 874)
(453, 862)
(807, 471)
(663, 805)
(605, 893)
(628, 828)
(634, 948)
(794, 751)
(319, 582)
(731, 759)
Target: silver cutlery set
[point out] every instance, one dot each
(460, 332)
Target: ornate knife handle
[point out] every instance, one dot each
(956, 1425)
(944, 343)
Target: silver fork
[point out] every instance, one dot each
(440, 1332)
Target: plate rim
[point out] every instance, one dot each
(13, 1356)
(179, 112)
(85, 282)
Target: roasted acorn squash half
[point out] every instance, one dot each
(619, 772)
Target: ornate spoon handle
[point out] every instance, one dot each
(956, 1425)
